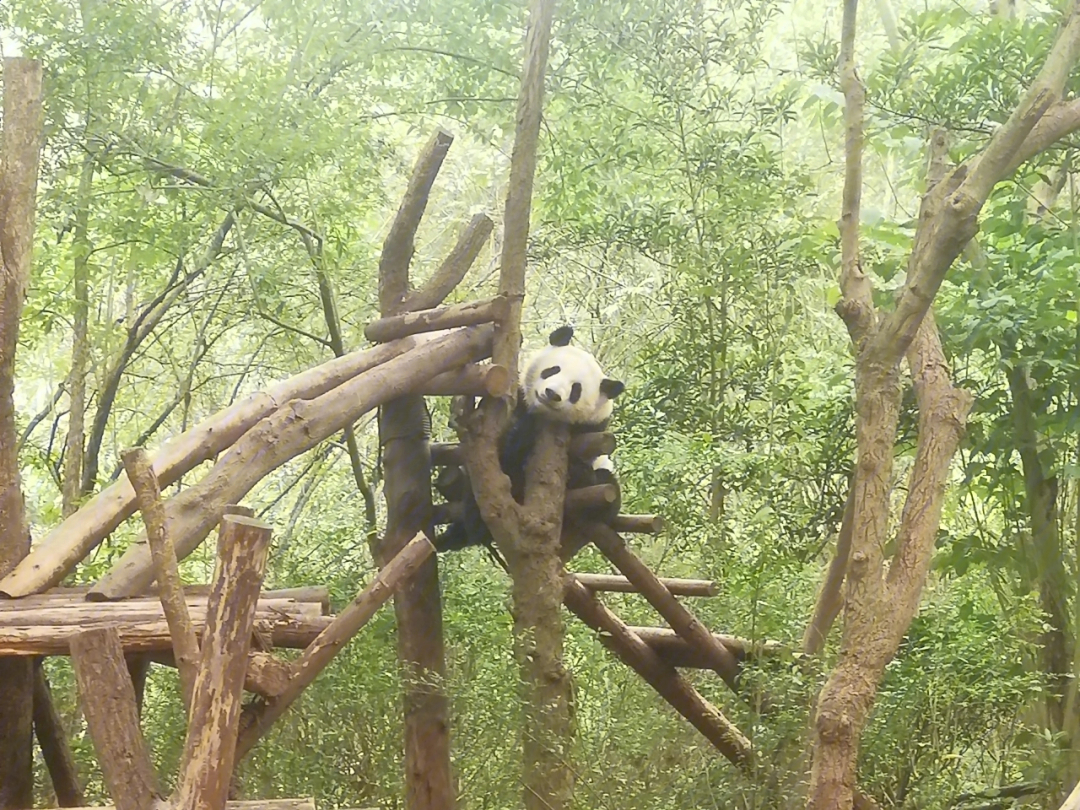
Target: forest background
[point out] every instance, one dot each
(685, 221)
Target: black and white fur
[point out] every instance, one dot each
(559, 383)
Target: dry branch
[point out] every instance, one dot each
(57, 554)
(294, 428)
(148, 497)
(398, 247)
(112, 718)
(259, 716)
(679, 587)
(472, 313)
(453, 268)
(52, 740)
(207, 764)
(705, 717)
(470, 380)
(830, 596)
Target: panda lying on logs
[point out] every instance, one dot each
(560, 383)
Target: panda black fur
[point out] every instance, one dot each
(559, 383)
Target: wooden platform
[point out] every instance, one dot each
(43, 624)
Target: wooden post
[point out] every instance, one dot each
(207, 764)
(148, 498)
(259, 716)
(429, 782)
(52, 740)
(108, 701)
(679, 587)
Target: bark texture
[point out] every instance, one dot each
(18, 186)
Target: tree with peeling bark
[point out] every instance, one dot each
(881, 596)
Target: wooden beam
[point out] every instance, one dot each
(207, 764)
(257, 804)
(267, 675)
(679, 587)
(588, 497)
(582, 445)
(471, 313)
(671, 686)
(112, 719)
(674, 650)
(260, 715)
(52, 740)
(638, 524)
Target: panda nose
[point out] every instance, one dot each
(551, 395)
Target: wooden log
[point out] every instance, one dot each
(57, 554)
(591, 445)
(194, 594)
(638, 524)
(589, 497)
(207, 764)
(52, 740)
(469, 380)
(679, 587)
(257, 804)
(267, 675)
(148, 498)
(671, 686)
(674, 612)
(112, 719)
(407, 324)
(295, 427)
(454, 266)
(582, 445)
(19, 614)
(259, 716)
(676, 651)
(153, 636)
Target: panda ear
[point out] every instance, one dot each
(561, 336)
(611, 388)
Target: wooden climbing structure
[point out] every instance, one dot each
(222, 637)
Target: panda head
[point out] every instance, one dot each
(566, 384)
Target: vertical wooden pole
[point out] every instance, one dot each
(403, 433)
(210, 749)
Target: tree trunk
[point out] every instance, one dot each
(18, 186)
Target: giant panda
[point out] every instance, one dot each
(559, 383)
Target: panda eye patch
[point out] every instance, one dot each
(550, 371)
(575, 393)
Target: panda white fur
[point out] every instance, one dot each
(559, 383)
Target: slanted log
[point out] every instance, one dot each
(260, 715)
(56, 555)
(207, 764)
(163, 554)
(112, 719)
(294, 428)
(638, 524)
(408, 324)
(671, 686)
(52, 740)
(679, 587)
(682, 620)
(469, 380)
